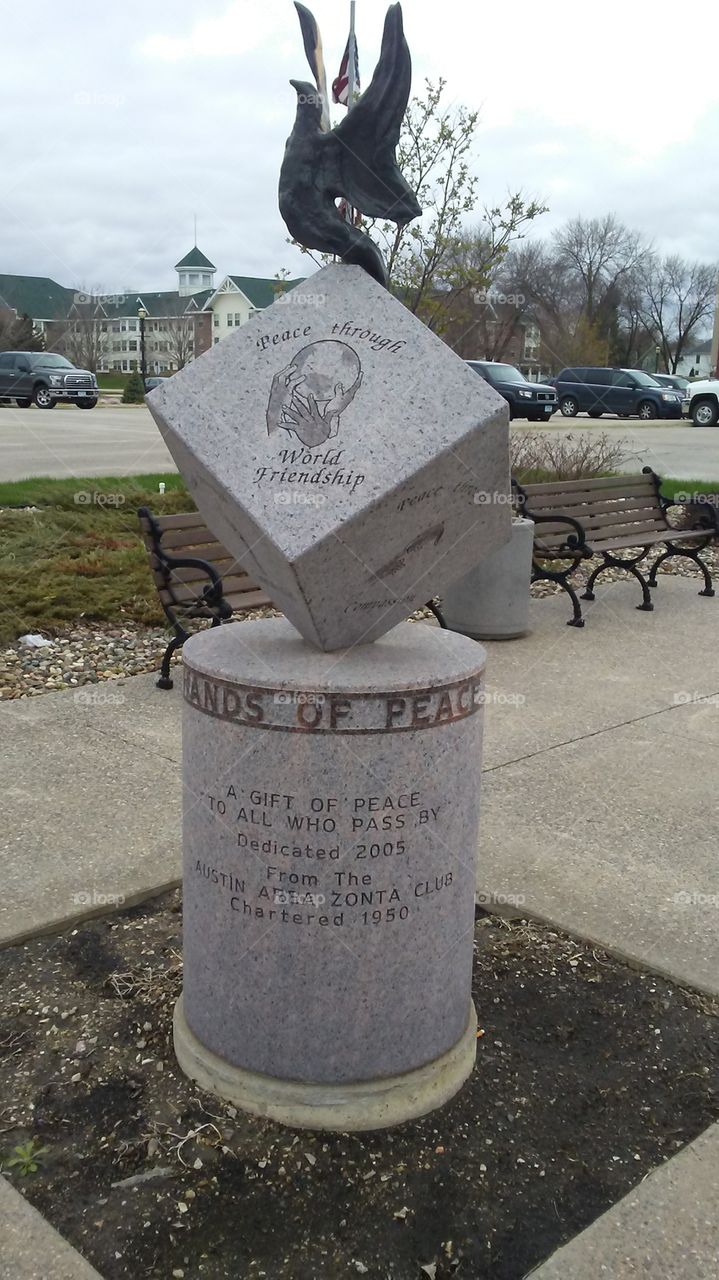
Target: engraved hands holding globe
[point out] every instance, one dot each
(309, 395)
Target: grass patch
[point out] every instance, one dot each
(68, 561)
(136, 491)
(112, 381)
(670, 488)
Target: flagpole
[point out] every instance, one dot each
(350, 213)
(351, 68)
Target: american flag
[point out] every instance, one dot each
(341, 86)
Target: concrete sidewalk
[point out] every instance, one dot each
(599, 815)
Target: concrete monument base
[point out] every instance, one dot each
(372, 1104)
(330, 836)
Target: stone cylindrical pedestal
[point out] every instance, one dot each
(330, 840)
(492, 601)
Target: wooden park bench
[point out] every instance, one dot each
(196, 577)
(578, 519)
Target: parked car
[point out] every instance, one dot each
(672, 381)
(701, 402)
(151, 383)
(43, 378)
(533, 400)
(622, 391)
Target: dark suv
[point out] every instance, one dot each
(621, 391)
(532, 400)
(43, 378)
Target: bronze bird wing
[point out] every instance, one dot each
(312, 40)
(367, 138)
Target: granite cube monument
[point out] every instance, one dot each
(347, 458)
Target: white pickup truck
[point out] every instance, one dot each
(701, 402)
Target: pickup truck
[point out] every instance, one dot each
(44, 378)
(701, 402)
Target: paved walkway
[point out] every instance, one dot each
(599, 815)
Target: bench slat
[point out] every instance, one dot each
(575, 503)
(223, 567)
(198, 536)
(183, 592)
(574, 507)
(648, 540)
(618, 525)
(182, 520)
(627, 483)
(249, 600)
(239, 603)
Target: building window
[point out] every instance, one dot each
(215, 341)
(132, 326)
(216, 321)
(124, 366)
(229, 321)
(116, 328)
(238, 318)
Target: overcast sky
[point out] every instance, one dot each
(120, 122)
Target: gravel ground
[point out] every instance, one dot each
(88, 653)
(589, 1074)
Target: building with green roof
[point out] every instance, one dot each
(106, 331)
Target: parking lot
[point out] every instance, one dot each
(124, 440)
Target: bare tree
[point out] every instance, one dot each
(180, 332)
(601, 253)
(676, 297)
(81, 338)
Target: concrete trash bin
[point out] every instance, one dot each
(491, 602)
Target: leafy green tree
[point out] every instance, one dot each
(436, 262)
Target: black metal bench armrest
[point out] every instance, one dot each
(709, 519)
(575, 542)
(212, 595)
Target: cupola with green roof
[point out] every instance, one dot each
(195, 272)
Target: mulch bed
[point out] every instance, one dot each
(589, 1075)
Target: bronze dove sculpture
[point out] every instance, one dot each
(355, 160)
